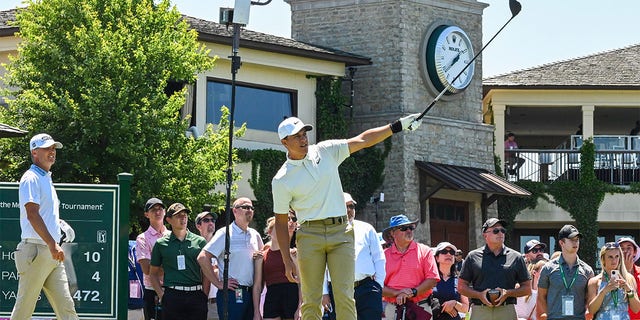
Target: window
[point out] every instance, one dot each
(262, 108)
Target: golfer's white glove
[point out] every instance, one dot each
(410, 123)
(69, 234)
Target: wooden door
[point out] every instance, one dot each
(449, 221)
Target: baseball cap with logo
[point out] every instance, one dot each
(292, 125)
(152, 202)
(203, 214)
(532, 244)
(568, 231)
(492, 222)
(176, 208)
(43, 140)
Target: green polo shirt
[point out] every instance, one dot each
(165, 254)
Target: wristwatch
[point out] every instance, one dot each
(630, 293)
(414, 291)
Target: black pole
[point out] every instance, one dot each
(515, 8)
(235, 65)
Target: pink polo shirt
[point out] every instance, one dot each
(144, 244)
(410, 268)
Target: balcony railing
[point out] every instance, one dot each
(615, 167)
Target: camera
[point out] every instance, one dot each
(493, 295)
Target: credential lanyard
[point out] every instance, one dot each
(568, 287)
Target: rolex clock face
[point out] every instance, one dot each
(448, 51)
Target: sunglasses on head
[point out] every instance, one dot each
(449, 251)
(246, 207)
(611, 245)
(405, 228)
(498, 230)
(205, 220)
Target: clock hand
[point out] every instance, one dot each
(453, 61)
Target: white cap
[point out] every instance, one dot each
(347, 198)
(630, 240)
(43, 140)
(292, 125)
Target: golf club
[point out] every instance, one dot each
(515, 8)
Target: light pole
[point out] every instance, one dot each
(238, 16)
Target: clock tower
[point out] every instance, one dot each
(417, 47)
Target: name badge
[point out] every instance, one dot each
(181, 265)
(135, 290)
(567, 305)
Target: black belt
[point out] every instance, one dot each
(212, 300)
(246, 288)
(332, 220)
(361, 282)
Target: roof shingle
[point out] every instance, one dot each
(214, 32)
(614, 69)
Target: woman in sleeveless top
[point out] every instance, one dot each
(611, 292)
(446, 291)
(282, 299)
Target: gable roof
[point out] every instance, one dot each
(209, 31)
(614, 69)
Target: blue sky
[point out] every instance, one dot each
(545, 30)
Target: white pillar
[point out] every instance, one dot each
(498, 120)
(587, 122)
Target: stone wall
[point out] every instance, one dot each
(391, 32)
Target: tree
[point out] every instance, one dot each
(94, 74)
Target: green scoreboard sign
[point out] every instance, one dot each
(91, 260)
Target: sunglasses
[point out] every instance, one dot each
(351, 206)
(294, 219)
(206, 220)
(498, 230)
(405, 228)
(611, 245)
(449, 251)
(246, 207)
(536, 250)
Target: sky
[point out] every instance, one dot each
(545, 31)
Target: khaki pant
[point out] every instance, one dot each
(331, 245)
(38, 271)
(135, 314)
(504, 312)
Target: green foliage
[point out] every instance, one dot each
(509, 207)
(582, 199)
(362, 173)
(264, 165)
(93, 74)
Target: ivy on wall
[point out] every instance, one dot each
(581, 199)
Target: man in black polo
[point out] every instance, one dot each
(490, 274)
(182, 296)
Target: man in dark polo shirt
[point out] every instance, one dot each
(494, 270)
(182, 296)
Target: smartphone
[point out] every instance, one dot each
(614, 274)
